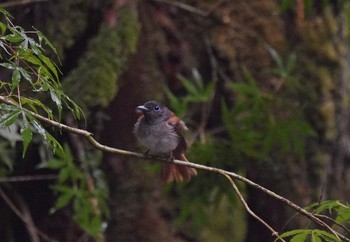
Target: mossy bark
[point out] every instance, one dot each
(93, 83)
(119, 56)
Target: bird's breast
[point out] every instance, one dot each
(160, 138)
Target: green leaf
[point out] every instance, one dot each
(315, 237)
(5, 13)
(209, 89)
(293, 232)
(73, 107)
(25, 74)
(24, 45)
(3, 28)
(275, 56)
(41, 37)
(35, 47)
(64, 198)
(300, 237)
(7, 108)
(189, 86)
(4, 48)
(27, 135)
(179, 106)
(13, 38)
(40, 129)
(49, 64)
(56, 100)
(32, 59)
(53, 142)
(34, 103)
(9, 118)
(326, 235)
(64, 175)
(16, 77)
(246, 89)
(10, 66)
(198, 78)
(55, 164)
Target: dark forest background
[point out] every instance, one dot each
(263, 86)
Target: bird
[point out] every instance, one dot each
(161, 131)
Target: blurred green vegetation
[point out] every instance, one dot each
(262, 125)
(33, 78)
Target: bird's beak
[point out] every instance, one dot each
(142, 109)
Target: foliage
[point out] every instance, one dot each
(261, 122)
(31, 71)
(89, 206)
(302, 235)
(197, 92)
(210, 192)
(32, 87)
(337, 212)
(262, 125)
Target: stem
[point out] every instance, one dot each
(105, 148)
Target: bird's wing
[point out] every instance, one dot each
(177, 122)
(179, 127)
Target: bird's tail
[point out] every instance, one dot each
(170, 173)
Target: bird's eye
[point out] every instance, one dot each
(156, 108)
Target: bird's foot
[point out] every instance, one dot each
(171, 157)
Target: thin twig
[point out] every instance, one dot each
(192, 9)
(105, 148)
(21, 216)
(16, 3)
(27, 216)
(27, 178)
(185, 7)
(333, 221)
(246, 206)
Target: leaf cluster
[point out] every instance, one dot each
(34, 78)
(337, 213)
(197, 92)
(303, 235)
(73, 189)
(336, 209)
(262, 125)
(267, 125)
(30, 85)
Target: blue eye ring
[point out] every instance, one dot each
(157, 108)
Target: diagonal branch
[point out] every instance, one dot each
(96, 144)
(241, 198)
(25, 217)
(27, 178)
(16, 3)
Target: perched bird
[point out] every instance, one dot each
(161, 131)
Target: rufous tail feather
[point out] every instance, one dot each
(170, 172)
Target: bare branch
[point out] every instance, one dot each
(22, 217)
(333, 221)
(20, 2)
(241, 198)
(27, 178)
(105, 148)
(185, 7)
(192, 9)
(28, 219)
